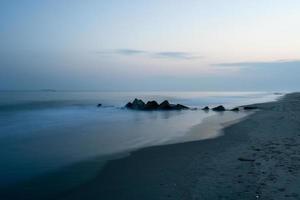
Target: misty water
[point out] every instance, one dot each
(43, 131)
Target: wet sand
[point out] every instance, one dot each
(257, 158)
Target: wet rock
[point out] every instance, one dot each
(129, 105)
(138, 104)
(151, 105)
(99, 105)
(246, 159)
(165, 105)
(219, 108)
(206, 108)
(235, 109)
(250, 107)
(180, 107)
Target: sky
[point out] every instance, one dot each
(142, 45)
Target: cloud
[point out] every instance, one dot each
(174, 54)
(124, 52)
(129, 52)
(157, 55)
(276, 63)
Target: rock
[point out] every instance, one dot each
(180, 107)
(137, 104)
(250, 107)
(246, 159)
(99, 105)
(129, 105)
(235, 109)
(219, 108)
(206, 108)
(151, 105)
(165, 105)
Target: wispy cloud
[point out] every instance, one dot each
(175, 55)
(157, 55)
(260, 64)
(125, 52)
(129, 52)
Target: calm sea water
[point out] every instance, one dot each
(43, 131)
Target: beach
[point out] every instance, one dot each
(257, 158)
(149, 100)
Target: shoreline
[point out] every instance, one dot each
(72, 176)
(255, 158)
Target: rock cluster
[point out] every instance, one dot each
(219, 108)
(138, 104)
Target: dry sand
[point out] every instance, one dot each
(257, 158)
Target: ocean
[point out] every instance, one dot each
(42, 132)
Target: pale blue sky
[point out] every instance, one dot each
(150, 45)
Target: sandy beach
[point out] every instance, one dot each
(257, 158)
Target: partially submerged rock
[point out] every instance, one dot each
(165, 105)
(206, 108)
(235, 109)
(246, 159)
(219, 108)
(250, 107)
(180, 107)
(99, 105)
(138, 104)
(151, 105)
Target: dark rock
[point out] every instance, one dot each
(219, 108)
(151, 105)
(138, 104)
(250, 107)
(165, 105)
(235, 109)
(180, 107)
(206, 108)
(129, 105)
(99, 105)
(246, 159)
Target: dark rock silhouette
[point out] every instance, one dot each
(180, 107)
(128, 105)
(250, 107)
(138, 104)
(246, 159)
(165, 105)
(99, 105)
(235, 109)
(206, 108)
(219, 108)
(151, 105)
